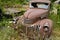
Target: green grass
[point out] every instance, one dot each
(8, 33)
(56, 26)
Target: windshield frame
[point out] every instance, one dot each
(40, 3)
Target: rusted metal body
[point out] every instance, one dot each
(36, 22)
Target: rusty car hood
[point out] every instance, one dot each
(34, 13)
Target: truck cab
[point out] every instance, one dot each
(37, 9)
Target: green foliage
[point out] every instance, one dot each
(11, 2)
(53, 0)
(8, 33)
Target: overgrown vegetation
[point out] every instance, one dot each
(12, 2)
(8, 33)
